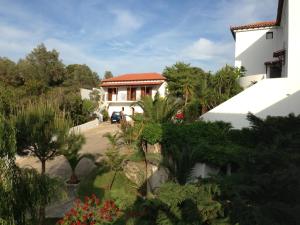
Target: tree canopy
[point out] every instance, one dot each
(108, 74)
(200, 90)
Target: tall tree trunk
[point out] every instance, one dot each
(113, 180)
(42, 213)
(203, 110)
(186, 97)
(146, 167)
(43, 167)
(73, 179)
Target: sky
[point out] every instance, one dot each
(129, 36)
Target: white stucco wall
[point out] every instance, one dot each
(121, 101)
(85, 93)
(275, 97)
(247, 81)
(122, 92)
(162, 89)
(293, 38)
(118, 106)
(252, 49)
(285, 29)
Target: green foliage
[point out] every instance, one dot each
(41, 129)
(114, 158)
(45, 66)
(158, 110)
(80, 111)
(201, 91)
(191, 203)
(130, 133)
(266, 188)
(224, 84)
(184, 204)
(108, 74)
(8, 102)
(152, 133)
(200, 141)
(7, 71)
(182, 78)
(42, 74)
(22, 191)
(80, 76)
(122, 198)
(192, 111)
(105, 115)
(7, 138)
(71, 150)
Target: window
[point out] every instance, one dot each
(131, 94)
(112, 92)
(269, 35)
(146, 91)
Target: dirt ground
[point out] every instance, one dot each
(95, 144)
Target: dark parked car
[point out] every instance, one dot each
(115, 117)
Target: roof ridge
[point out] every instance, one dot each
(136, 76)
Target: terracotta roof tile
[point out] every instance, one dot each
(136, 77)
(254, 25)
(137, 83)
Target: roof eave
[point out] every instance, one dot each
(279, 12)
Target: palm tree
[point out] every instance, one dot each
(71, 150)
(158, 110)
(188, 90)
(114, 159)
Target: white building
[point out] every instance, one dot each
(123, 91)
(269, 53)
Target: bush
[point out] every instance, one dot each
(192, 111)
(152, 133)
(80, 111)
(105, 115)
(200, 141)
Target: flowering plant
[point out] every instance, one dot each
(91, 212)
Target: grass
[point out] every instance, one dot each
(123, 190)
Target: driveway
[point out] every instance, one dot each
(95, 144)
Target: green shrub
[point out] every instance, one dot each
(123, 198)
(105, 114)
(200, 141)
(192, 111)
(152, 133)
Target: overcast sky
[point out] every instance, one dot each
(126, 36)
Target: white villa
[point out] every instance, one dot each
(122, 91)
(269, 53)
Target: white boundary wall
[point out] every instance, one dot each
(86, 126)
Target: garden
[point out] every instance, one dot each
(150, 171)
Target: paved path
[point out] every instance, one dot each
(95, 144)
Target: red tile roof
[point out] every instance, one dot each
(254, 25)
(136, 77)
(137, 83)
(262, 24)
